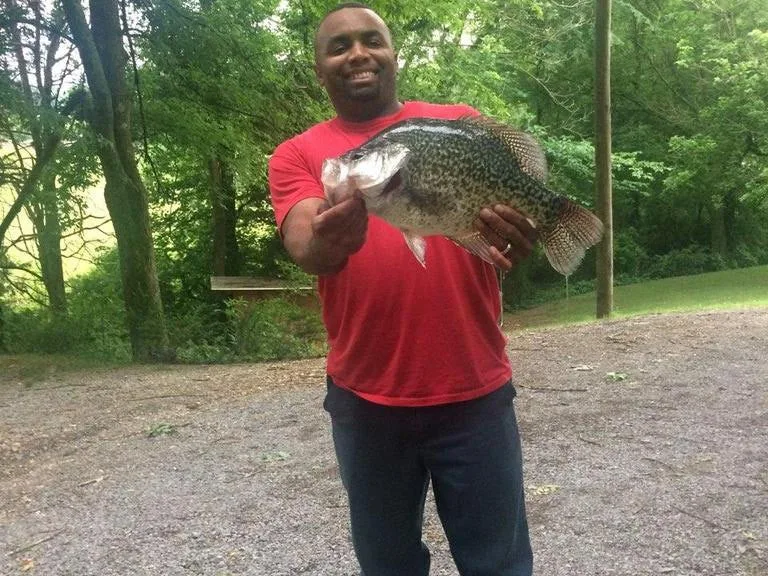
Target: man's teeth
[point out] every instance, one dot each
(361, 75)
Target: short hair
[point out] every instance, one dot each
(343, 5)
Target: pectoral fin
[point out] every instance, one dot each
(418, 246)
(475, 243)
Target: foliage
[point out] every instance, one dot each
(94, 326)
(275, 329)
(227, 80)
(200, 331)
(217, 87)
(687, 261)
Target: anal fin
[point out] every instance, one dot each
(475, 243)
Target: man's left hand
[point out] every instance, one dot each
(510, 234)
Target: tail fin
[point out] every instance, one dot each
(575, 230)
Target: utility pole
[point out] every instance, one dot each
(603, 187)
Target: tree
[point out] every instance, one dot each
(36, 48)
(104, 59)
(691, 91)
(221, 89)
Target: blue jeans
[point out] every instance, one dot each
(470, 451)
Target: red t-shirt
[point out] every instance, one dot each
(399, 334)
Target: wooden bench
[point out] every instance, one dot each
(253, 289)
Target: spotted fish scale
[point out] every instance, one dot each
(432, 177)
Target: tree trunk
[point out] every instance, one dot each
(226, 253)
(45, 217)
(604, 194)
(3, 345)
(104, 60)
(717, 224)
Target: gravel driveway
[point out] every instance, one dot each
(645, 442)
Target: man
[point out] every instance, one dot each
(418, 378)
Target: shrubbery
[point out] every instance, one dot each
(94, 325)
(534, 282)
(208, 331)
(212, 330)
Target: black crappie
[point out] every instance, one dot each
(432, 177)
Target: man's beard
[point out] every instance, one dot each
(364, 94)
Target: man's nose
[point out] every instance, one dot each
(358, 51)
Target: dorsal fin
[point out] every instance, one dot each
(526, 149)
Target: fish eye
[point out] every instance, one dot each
(357, 156)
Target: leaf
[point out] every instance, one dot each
(582, 368)
(275, 456)
(544, 489)
(616, 376)
(162, 429)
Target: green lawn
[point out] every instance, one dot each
(744, 288)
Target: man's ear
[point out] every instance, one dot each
(319, 76)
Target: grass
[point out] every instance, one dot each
(727, 289)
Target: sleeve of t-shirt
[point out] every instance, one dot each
(470, 111)
(290, 180)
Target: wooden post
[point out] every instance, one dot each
(604, 195)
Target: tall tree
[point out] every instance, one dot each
(691, 89)
(28, 106)
(104, 60)
(36, 47)
(217, 99)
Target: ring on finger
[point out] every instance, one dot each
(506, 249)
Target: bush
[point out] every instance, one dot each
(36, 331)
(630, 259)
(200, 334)
(685, 262)
(32, 330)
(747, 256)
(201, 331)
(97, 313)
(276, 329)
(273, 329)
(94, 326)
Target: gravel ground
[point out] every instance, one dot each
(645, 443)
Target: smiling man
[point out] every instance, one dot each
(355, 63)
(419, 384)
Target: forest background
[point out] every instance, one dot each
(134, 139)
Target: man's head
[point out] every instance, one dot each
(356, 63)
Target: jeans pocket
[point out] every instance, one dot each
(339, 403)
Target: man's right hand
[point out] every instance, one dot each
(320, 237)
(343, 225)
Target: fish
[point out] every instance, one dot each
(431, 177)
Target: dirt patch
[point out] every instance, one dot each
(645, 442)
